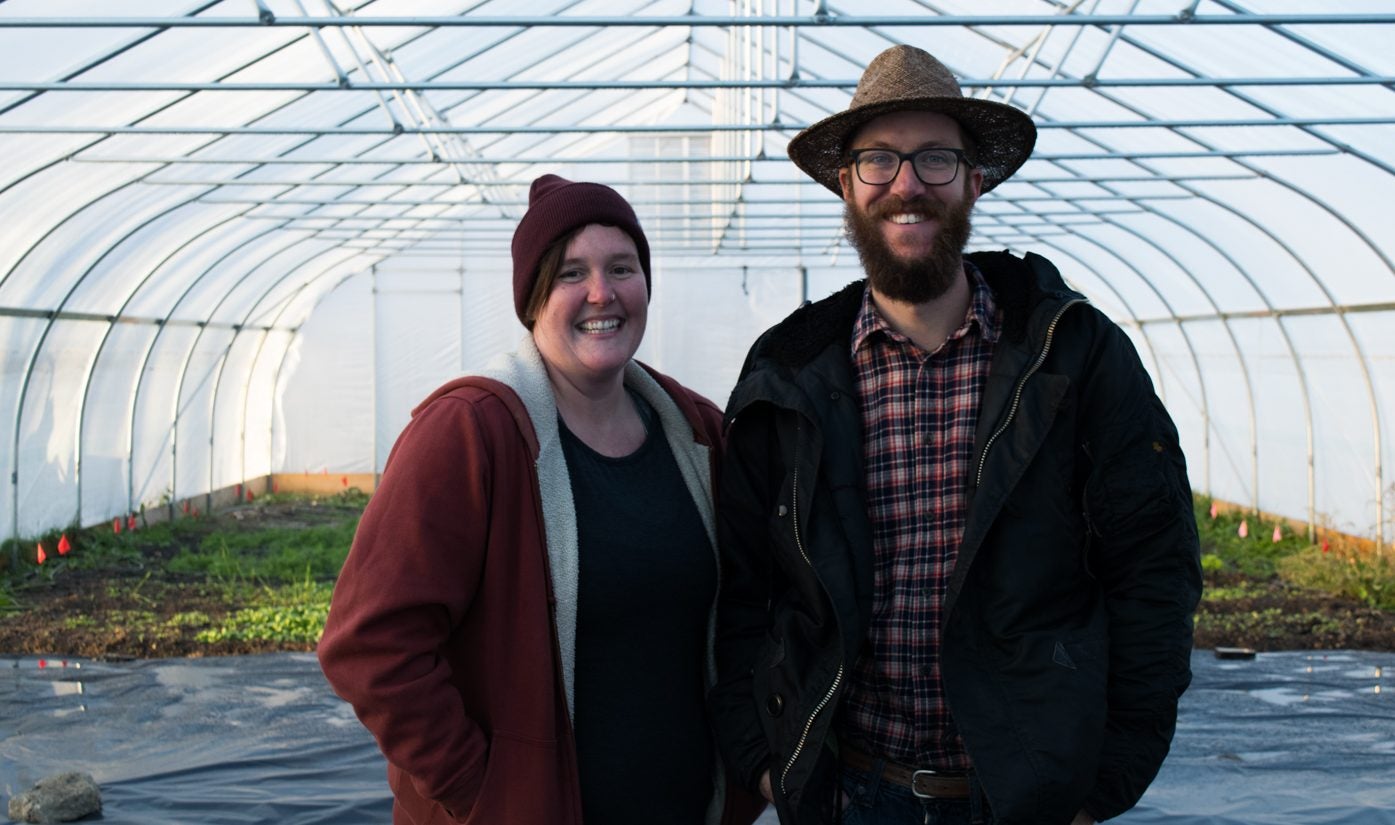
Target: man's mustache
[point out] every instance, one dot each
(895, 205)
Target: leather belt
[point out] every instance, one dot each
(926, 784)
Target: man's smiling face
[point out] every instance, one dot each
(909, 235)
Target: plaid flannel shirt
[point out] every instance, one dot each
(919, 411)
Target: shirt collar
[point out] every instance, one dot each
(983, 310)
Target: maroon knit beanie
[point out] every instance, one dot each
(556, 206)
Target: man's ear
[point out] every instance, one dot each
(974, 183)
(845, 181)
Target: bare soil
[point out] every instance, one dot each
(125, 611)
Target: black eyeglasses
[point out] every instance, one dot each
(934, 167)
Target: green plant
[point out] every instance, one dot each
(291, 614)
(1255, 554)
(8, 603)
(271, 555)
(1342, 568)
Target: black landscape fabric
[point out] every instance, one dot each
(1294, 738)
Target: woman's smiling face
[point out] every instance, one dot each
(594, 317)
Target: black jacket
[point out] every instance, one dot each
(1068, 626)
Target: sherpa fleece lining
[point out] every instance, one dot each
(523, 371)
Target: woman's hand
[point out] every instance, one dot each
(770, 795)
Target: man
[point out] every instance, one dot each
(959, 558)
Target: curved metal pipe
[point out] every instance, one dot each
(284, 304)
(1305, 393)
(106, 336)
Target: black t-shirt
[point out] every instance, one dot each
(648, 578)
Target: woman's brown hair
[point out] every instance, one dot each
(549, 267)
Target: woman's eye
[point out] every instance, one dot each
(570, 275)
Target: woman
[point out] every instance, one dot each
(524, 621)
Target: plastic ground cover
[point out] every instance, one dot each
(1296, 738)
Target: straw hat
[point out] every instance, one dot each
(907, 78)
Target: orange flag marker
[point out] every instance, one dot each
(1214, 510)
(131, 523)
(1278, 534)
(116, 525)
(64, 548)
(1244, 531)
(43, 557)
(249, 496)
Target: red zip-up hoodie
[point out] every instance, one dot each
(443, 631)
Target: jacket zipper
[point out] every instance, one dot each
(1017, 394)
(837, 678)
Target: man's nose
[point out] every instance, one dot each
(906, 184)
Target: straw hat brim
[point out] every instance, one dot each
(1004, 136)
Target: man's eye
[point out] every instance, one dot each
(934, 160)
(879, 159)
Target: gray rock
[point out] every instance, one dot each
(59, 798)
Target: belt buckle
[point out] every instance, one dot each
(916, 774)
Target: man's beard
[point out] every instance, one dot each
(921, 278)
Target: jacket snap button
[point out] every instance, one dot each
(835, 395)
(775, 704)
(781, 511)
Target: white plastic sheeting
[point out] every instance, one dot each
(246, 237)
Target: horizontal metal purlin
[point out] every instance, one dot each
(65, 315)
(824, 201)
(417, 161)
(686, 128)
(388, 233)
(675, 85)
(1348, 309)
(433, 225)
(1045, 156)
(521, 183)
(1018, 178)
(816, 21)
(474, 227)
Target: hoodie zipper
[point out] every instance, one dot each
(1017, 394)
(837, 678)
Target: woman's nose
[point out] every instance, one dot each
(598, 289)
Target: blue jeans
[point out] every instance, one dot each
(870, 800)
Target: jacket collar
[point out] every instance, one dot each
(1021, 286)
